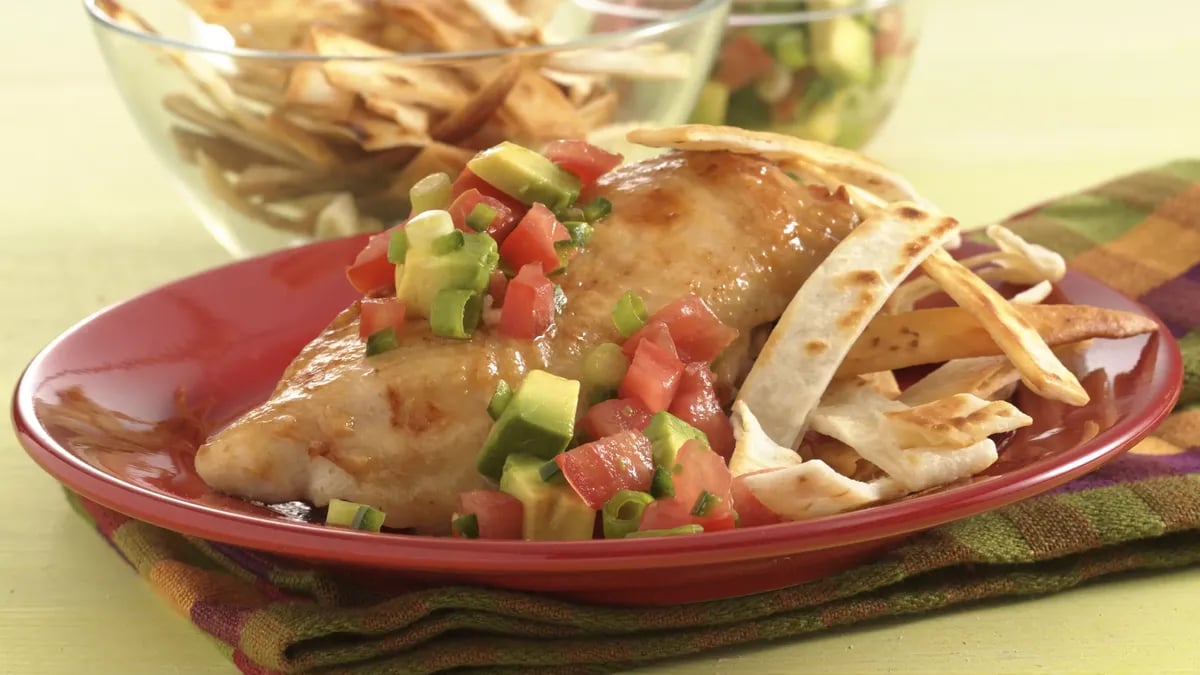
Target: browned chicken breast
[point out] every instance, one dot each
(401, 430)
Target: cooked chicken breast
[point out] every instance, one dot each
(401, 430)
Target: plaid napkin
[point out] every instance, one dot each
(1140, 233)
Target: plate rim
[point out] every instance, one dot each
(445, 554)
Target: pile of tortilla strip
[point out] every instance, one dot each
(820, 421)
(330, 146)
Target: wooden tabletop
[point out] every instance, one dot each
(1011, 101)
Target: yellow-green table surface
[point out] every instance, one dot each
(1010, 101)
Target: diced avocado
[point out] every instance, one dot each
(711, 104)
(553, 512)
(668, 433)
(842, 49)
(539, 421)
(440, 257)
(526, 175)
(354, 516)
(822, 121)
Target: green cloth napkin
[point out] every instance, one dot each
(1140, 233)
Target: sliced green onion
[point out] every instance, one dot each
(448, 243)
(560, 299)
(597, 209)
(580, 232)
(466, 525)
(397, 246)
(630, 314)
(705, 503)
(500, 400)
(353, 515)
(604, 366)
(623, 512)
(663, 484)
(481, 217)
(431, 193)
(550, 471)
(791, 50)
(381, 341)
(682, 529)
(455, 313)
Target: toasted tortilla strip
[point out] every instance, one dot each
(982, 376)
(308, 89)
(255, 11)
(512, 28)
(410, 117)
(376, 133)
(1033, 295)
(955, 421)
(923, 336)
(537, 109)
(185, 108)
(847, 166)
(228, 155)
(652, 61)
(339, 218)
(754, 450)
(219, 186)
(482, 104)
(1041, 371)
(813, 489)
(308, 145)
(831, 310)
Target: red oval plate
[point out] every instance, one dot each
(226, 335)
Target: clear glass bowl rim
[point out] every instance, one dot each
(759, 18)
(662, 22)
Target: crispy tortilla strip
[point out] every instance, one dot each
(309, 146)
(219, 186)
(1033, 295)
(926, 336)
(339, 218)
(1041, 371)
(754, 450)
(256, 11)
(512, 28)
(448, 26)
(813, 489)
(187, 109)
(376, 133)
(462, 122)
(840, 457)
(956, 421)
(846, 165)
(411, 118)
(644, 62)
(823, 320)
(981, 376)
(536, 109)
(600, 111)
(386, 76)
(229, 155)
(309, 90)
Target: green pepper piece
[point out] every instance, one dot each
(596, 209)
(663, 484)
(397, 247)
(630, 314)
(455, 313)
(481, 217)
(705, 503)
(682, 529)
(448, 243)
(623, 512)
(431, 193)
(466, 525)
(500, 400)
(381, 341)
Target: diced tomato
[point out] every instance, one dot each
(528, 304)
(497, 286)
(499, 514)
(697, 404)
(654, 331)
(598, 470)
(583, 159)
(371, 269)
(467, 180)
(698, 334)
(532, 240)
(375, 314)
(750, 511)
(462, 206)
(742, 61)
(697, 469)
(653, 377)
(614, 416)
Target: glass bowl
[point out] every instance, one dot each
(825, 70)
(282, 127)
